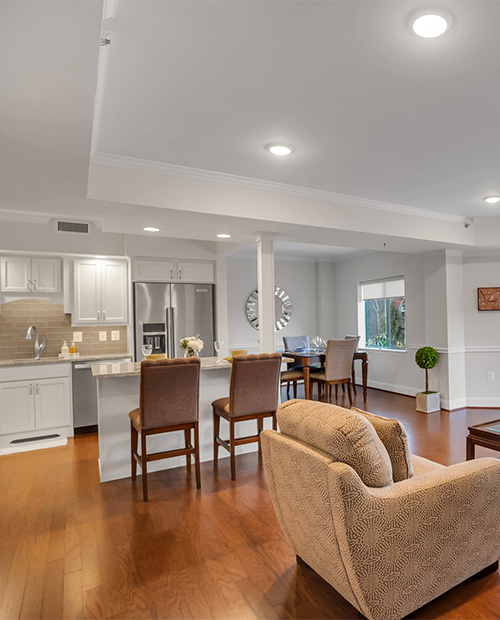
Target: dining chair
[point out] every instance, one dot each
(294, 342)
(353, 374)
(253, 395)
(294, 370)
(168, 401)
(338, 368)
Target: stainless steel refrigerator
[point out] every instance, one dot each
(165, 313)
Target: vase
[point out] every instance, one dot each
(191, 353)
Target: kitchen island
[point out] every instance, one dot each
(118, 393)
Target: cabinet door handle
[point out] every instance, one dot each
(30, 285)
(171, 274)
(104, 315)
(180, 274)
(37, 388)
(98, 315)
(31, 389)
(34, 283)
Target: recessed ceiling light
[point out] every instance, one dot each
(224, 236)
(430, 26)
(280, 149)
(492, 199)
(151, 229)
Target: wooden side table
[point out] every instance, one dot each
(486, 435)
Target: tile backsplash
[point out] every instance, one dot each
(54, 326)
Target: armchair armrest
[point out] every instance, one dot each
(404, 544)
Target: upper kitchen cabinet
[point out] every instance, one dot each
(100, 292)
(151, 270)
(145, 270)
(22, 274)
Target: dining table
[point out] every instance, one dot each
(308, 358)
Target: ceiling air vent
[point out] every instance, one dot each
(73, 227)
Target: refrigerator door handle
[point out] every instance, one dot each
(167, 333)
(172, 327)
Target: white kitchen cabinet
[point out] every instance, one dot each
(145, 270)
(17, 407)
(52, 402)
(151, 270)
(34, 399)
(195, 272)
(100, 292)
(21, 274)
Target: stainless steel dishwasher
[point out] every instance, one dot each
(85, 393)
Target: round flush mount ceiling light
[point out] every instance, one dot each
(224, 236)
(431, 25)
(151, 229)
(492, 200)
(280, 149)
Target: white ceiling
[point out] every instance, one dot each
(373, 111)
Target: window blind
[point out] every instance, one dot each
(383, 289)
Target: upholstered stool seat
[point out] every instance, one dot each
(169, 397)
(222, 404)
(253, 395)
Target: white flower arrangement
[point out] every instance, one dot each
(192, 345)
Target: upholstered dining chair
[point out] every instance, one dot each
(338, 368)
(169, 401)
(353, 373)
(253, 395)
(294, 370)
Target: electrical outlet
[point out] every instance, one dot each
(77, 336)
(491, 375)
(103, 336)
(115, 334)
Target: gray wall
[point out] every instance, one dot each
(297, 278)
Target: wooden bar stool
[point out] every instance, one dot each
(169, 401)
(253, 395)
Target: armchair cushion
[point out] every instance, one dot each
(344, 435)
(393, 435)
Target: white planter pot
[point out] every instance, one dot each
(428, 403)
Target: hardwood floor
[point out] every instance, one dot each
(71, 547)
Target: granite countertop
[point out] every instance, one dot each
(63, 360)
(107, 371)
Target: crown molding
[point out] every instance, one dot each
(197, 174)
(487, 221)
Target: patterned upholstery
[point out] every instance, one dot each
(393, 435)
(340, 433)
(387, 550)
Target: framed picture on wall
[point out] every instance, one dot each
(488, 298)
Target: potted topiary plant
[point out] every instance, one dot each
(427, 401)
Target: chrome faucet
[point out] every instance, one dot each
(38, 347)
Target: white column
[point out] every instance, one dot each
(221, 313)
(265, 287)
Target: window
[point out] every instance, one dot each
(383, 313)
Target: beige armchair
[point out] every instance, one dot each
(387, 547)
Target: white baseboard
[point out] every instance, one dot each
(390, 387)
(483, 401)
